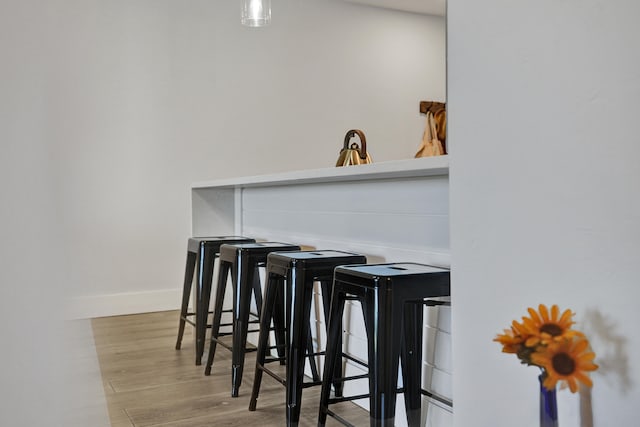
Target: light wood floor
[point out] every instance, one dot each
(149, 383)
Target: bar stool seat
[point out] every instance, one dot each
(242, 260)
(201, 253)
(392, 298)
(295, 273)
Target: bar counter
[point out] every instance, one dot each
(391, 212)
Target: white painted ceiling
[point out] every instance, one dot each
(429, 7)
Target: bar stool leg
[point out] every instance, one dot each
(241, 307)
(338, 385)
(221, 287)
(334, 332)
(315, 374)
(278, 320)
(325, 287)
(298, 307)
(257, 289)
(384, 343)
(186, 293)
(313, 366)
(411, 360)
(205, 277)
(272, 291)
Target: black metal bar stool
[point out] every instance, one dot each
(243, 261)
(295, 273)
(201, 252)
(392, 298)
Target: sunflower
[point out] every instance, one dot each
(544, 327)
(567, 360)
(511, 342)
(513, 339)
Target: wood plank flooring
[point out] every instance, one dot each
(149, 383)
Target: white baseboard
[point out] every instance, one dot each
(123, 303)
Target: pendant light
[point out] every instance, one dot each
(255, 13)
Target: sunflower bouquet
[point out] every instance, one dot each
(545, 339)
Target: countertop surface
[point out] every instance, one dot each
(426, 166)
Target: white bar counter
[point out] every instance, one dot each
(391, 212)
(426, 166)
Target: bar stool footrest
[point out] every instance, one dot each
(271, 373)
(437, 398)
(230, 348)
(251, 313)
(434, 303)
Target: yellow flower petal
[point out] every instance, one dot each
(534, 316)
(566, 316)
(532, 341)
(544, 313)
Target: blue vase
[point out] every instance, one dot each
(548, 405)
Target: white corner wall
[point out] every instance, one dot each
(157, 94)
(30, 273)
(543, 106)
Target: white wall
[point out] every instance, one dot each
(543, 106)
(29, 239)
(158, 94)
